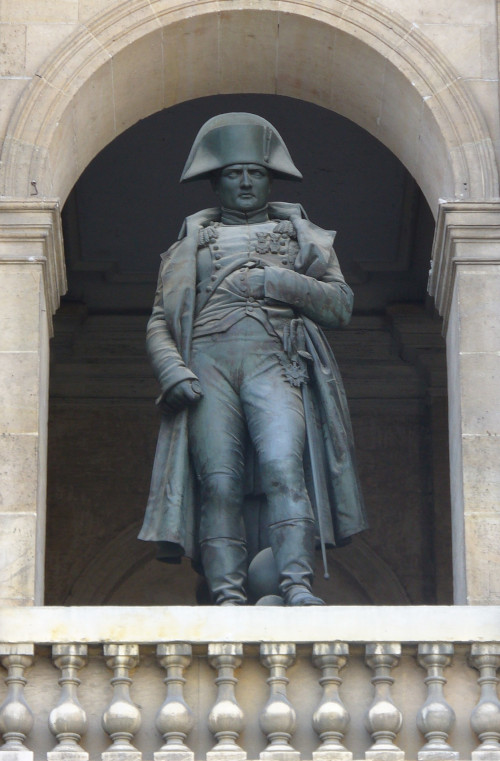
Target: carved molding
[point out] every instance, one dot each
(31, 233)
(466, 233)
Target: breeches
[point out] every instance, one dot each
(246, 396)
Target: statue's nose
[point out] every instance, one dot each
(246, 180)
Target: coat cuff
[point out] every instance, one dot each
(175, 376)
(285, 285)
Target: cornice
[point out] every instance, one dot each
(31, 233)
(466, 233)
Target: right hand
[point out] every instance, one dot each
(183, 394)
(255, 279)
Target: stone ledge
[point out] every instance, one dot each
(250, 624)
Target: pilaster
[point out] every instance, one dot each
(32, 279)
(465, 282)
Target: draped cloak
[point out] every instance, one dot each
(329, 460)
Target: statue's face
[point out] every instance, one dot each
(243, 187)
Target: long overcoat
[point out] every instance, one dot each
(329, 460)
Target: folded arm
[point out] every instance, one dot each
(327, 301)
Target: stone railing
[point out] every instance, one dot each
(227, 684)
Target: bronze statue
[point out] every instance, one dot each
(255, 448)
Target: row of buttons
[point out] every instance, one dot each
(215, 247)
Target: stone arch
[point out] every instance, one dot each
(356, 58)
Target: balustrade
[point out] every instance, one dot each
(68, 720)
(175, 718)
(331, 718)
(436, 717)
(383, 719)
(278, 718)
(122, 718)
(318, 703)
(16, 717)
(226, 718)
(485, 719)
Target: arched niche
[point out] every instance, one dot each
(103, 422)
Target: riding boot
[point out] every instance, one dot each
(225, 569)
(292, 543)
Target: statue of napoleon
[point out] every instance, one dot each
(255, 448)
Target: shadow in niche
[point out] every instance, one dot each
(126, 572)
(124, 211)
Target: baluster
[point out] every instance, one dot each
(226, 718)
(277, 719)
(175, 719)
(122, 718)
(68, 720)
(331, 718)
(16, 717)
(485, 718)
(436, 717)
(383, 720)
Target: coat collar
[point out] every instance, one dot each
(277, 210)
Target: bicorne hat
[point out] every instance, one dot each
(238, 138)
